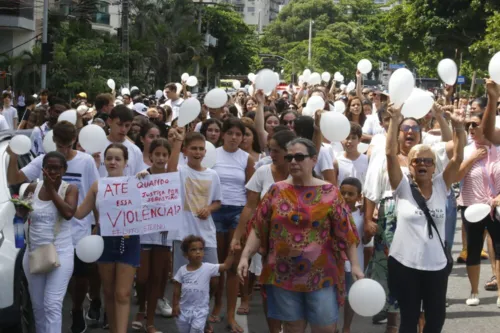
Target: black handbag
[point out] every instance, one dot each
(431, 224)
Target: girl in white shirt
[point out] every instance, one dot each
(418, 266)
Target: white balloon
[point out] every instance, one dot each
(336, 76)
(364, 66)
(447, 70)
(418, 104)
(315, 79)
(89, 249)
(92, 138)
(401, 85)
(343, 86)
(494, 68)
(251, 90)
(158, 94)
(331, 107)
(179, 87)
(339, 106)
(367, 297)
(301, 78)
(306, 75)
(308, 111)
(82, 109)
(251, 77)
(210, 155)
(20, 144)
(189, 110)
(325, 76)
(351, 86)
(334, 126)
(236, 84)
(69, 115)
(184, 77)
(316, 103)
(277, 78)
(216, 98)
(111, 84)
(48, 142)
(134, 88)
(363, 147)
(477, 212)
(341, 78)
(266, 80)
(125, 91)
(192, 81)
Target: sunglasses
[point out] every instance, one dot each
(288, 122)
(471, 124)
(407, 128)
(427, 161)
(298, 157)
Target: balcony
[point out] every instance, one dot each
(17, 14)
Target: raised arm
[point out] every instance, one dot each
(451, 172)
(14, 175)
(88, 203)
(259, 118)
(489, 117)
(392, 147)
(173, 160)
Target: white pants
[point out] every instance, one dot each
(192, 321)
(47, 293)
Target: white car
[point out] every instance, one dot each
(16, 314)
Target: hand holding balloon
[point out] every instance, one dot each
(492, 88)
(260, 97)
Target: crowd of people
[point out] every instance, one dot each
(282, 211)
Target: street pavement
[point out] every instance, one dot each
(460, 318)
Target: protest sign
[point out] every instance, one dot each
(131, 206)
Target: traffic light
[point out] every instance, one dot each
(47, 53)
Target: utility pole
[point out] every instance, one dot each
(44, 40)
(197, 65)
(310, 42)
(125, 41)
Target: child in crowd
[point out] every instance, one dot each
(351, 190)
(351, 163)
(192, 286)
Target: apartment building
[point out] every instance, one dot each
(257, 13)
(17, 25)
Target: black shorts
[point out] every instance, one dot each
(80, 269)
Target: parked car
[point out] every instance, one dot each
(16, 313)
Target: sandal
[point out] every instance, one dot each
(137, 324)
(214, 319)
(208, 328)
(243, 311)
(148, 329)
(234, 328)
(492, 284)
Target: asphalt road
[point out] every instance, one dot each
(460, 317)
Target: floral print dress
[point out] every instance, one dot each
(304, 233)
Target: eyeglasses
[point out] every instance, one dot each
(288, 122)
(427, 161)
(407, 128)
(471, 124)
(297, 157)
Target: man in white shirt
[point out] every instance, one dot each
(44, 98)
(173, 99)
(8, 111)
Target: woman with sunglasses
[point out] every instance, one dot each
(480, 184)
(287, 118)
(418, 266)
(303, 227)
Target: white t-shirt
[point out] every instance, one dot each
(195, 291)
(358, 217)
(372, 125)
(10, 115)
(325, 162)
(261, 180)
(135, 160)
(175, 105)
(349, 168)
(4, 125)
(411, 245)
(199, 189)
(263, 161)
(231, 168)
(82, 173)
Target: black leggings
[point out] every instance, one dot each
(412, 287)
(475, 240)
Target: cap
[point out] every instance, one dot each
(140, 108)
(82, 95)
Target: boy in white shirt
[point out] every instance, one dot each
(8, 111)
(351, 163)
(192, 286)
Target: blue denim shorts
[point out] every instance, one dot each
(227, 218)
(131, 250)
(349, 280)
(319, 307)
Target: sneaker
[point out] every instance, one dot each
(163, 308)
(462, 257)
(484, 255)
(380, 318)
(94, 312)
(473, 300)
(105, 324)
(79, 324)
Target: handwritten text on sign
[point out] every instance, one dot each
(131, 206)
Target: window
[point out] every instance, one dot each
(103, 7)
(251, 9)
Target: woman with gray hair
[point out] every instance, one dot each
(419, 261)
(301, 227)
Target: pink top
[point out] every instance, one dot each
(482, 183)
(304, 233)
